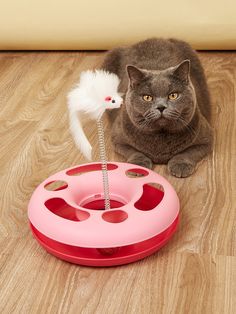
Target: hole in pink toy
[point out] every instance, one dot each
(152, 196)
(115, 216)
(59, 207)
(136, 173)
(88, 168)
(56, 185)
(99, 204)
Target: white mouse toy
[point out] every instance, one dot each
(96, 91)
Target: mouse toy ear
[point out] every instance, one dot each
(135, 75)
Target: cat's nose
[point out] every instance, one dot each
(161, 108)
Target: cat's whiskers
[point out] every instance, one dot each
(147, 118)
(178, 117)
(142, 121)
(151, 115)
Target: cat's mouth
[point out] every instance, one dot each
(157, 117)
(153, 120)
(161, 121)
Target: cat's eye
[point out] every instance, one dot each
(147, 98)
(173, 96)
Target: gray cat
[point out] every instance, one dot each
(166, 111)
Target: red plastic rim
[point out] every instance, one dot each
(98, 257)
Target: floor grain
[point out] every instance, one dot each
(194, 273)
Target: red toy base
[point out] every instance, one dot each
(105, 257)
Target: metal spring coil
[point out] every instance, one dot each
(103, 158)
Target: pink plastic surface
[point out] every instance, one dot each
(141, 220)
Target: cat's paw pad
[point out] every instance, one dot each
(181, 169)
(140, 160)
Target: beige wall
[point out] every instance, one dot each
(71, 24)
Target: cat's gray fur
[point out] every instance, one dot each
(141, 131)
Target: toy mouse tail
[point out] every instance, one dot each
(79, 136)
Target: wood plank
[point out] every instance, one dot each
(36, 282)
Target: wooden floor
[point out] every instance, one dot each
(194, 273)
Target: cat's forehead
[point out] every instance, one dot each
(155, 85)
(160, 83)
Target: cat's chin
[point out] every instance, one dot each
(162, 121)
(161, 124)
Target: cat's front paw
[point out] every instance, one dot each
(140, 160)
(181, 168)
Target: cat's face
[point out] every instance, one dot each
(160, 100)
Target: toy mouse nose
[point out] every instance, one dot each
(113, 101)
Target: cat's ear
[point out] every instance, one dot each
(135, 75)
(182, 70)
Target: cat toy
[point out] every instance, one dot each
(101, 213)
(88, 98)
